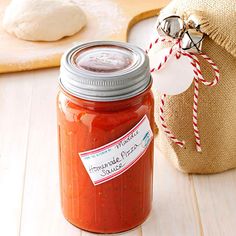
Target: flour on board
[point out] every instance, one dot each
(104, 10)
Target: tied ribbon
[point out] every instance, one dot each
(177, 50)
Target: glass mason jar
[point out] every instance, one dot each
(105, 113)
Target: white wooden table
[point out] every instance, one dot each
(184, 205)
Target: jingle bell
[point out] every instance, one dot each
(171, 26)
(192, 40)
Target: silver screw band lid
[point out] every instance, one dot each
(105, 71)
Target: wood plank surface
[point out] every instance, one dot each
(15, 103)
(216, 196)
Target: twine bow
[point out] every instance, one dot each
(177, 50)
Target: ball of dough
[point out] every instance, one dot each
(43, 20)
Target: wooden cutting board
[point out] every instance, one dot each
(107, 19)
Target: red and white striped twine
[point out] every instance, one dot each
(197, 77)
(166, 57)
(164, 126)
(195, 115)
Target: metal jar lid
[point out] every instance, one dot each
(105, 71)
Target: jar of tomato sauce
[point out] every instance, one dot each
(105, 113)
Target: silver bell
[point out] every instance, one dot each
(192, 40)
(171, 26)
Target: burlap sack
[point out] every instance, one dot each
(217, 105)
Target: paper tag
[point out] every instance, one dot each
(176, 75)
(113, 159)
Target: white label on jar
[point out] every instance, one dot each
(113, 159)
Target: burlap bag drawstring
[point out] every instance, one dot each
(217, 106)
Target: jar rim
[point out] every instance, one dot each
(120, 84)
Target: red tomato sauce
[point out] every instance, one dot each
(123, 202)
